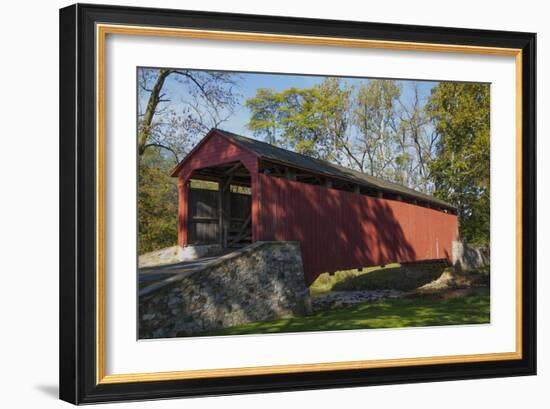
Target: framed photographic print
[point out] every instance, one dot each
(257, 203)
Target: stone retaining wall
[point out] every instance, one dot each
(260, 282)
(468, 258)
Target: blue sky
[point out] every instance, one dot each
(249, 83)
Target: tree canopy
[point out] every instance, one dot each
(312, 121)
(461, 166)
(367, 127)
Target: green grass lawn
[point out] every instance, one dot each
(417, 311)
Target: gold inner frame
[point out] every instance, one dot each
(102, 30)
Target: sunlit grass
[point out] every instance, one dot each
(389, 313)
(325, 282)
(390, 276)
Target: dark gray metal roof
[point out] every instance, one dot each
(322, 167)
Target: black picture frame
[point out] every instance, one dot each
(78, 360)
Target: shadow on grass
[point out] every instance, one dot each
(389, 313)
(403, 278)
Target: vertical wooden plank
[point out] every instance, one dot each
(183, 193)
(226, 213)
(220, 214)
(256, 191)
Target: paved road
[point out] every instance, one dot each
(149, 275)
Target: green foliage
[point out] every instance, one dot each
(157, 203)
(312, 121)
(264, 120)
(359, 127)
(461, 168)
(389, 313)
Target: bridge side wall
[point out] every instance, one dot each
(341, 230)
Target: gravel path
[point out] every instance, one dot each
(339, 299)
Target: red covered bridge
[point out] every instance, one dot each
(343, 219)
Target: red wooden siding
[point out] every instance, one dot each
(214, 150)
(341, 230)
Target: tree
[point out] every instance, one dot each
(368, 128)
(157, 203)
(375, 117)
(170, 118)
(335, 104)
(419, 139)
(209, 98)
(264, 118)
(461, 167)
(312, 121)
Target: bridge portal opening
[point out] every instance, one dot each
(220, 206)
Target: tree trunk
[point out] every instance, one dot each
(154, 99)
